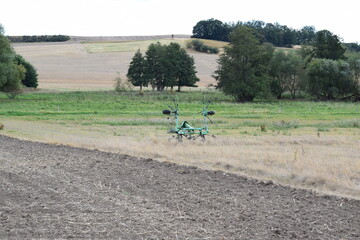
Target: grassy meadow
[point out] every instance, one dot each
(301, 143)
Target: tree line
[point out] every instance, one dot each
(40, 38)
(274, 33)
(249, 68)
(15, 71)
(162, 66)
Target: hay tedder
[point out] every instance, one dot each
(184, 129)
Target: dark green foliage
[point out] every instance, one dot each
(136, 71)
(354, 61)
(155, 66)
(276, 34)
(326, 45)
(329, 79)
(306, 35)
(184, 67)
(286, 70)
(41, 38)
(201, 47)
(164, 66)
(212, 29)
(279, 35)
(11, 74)
(353, 47)
(31, 76)
(242, 70)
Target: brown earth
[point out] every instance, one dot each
(52, 191)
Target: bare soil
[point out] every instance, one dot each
(55, 191)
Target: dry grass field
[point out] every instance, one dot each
(93, 63)
(324, 162)
(327, 162)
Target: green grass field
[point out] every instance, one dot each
(131, 108)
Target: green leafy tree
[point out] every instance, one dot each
(211, 29)
(185, 72)
(329, 79)
(137, 71)
(31, 76)
(169, 66)
(327, 45)
(155, 66)
(11, 74)
(306, 35)
(286, 69)
(242, 69)
(354, 60)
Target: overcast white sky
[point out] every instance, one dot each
(155, 17)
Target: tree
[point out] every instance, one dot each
(329, 79)
(169, 66)
(154, 66)
(354, 60)
(185, 72)
(328, 46)
(136, 72)
(286, 70)
(11, 74)
(211, 29)
(31, 76)
(306, 35)
(243, 67)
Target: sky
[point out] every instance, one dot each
(159, 17)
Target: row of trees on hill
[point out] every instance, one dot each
(276, 34)
(40, 38)
(15, 71)
(250, 69)
(162, 66)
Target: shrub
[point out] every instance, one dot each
(199, 46)
(30, 79)
(121, 85)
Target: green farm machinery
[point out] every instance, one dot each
(184, 129)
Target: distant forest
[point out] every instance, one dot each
(41, 38)
(274, 33)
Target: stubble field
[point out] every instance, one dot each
(93, 63)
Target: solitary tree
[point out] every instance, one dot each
(243, 67)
